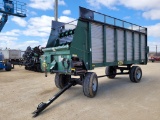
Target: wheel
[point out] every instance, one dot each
(8, 66)
(90, 84)
(26, 68)
(135, 74)
(111, 71)
(61, 80)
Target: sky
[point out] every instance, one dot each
(34, 30)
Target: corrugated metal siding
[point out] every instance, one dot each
(136, 46)
(110, 45)
(129, 45)
(143, 46)
(97, 43)
(120, 43)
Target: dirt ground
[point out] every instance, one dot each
(117, 99)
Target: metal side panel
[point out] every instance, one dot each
(110, 54)
(97, 43)
(120, 42)
(129, 45)
(136, 46)
(14, 54)
(143, 46)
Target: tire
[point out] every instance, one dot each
(135, 74)
(26, 68)
(90, 84)
(110, 70)
(8, 66)
(61, 80)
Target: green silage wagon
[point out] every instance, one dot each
(93, 40)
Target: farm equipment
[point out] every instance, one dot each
(94, 40)
(11, 7)
(31, 58)
(14, 8)
(4, 64)
(12, 56)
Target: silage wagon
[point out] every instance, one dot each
(94, 40)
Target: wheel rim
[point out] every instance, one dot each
(112, 71)
(94, 84)
(138, 74)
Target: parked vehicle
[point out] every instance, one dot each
(154, 58)
(4, 64)
(13, 56)
(94, 40)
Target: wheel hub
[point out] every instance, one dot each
(138, 74)
(94, 84)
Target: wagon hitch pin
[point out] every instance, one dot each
(43, 105)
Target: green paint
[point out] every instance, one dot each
(81, 46)
(133, 46)
(125, 46)
(140, 47)
(115, 47)
(104, 45)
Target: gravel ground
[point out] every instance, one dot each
(117, 99)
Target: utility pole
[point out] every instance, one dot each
(156, 50)
(56, 10)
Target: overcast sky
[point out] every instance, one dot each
(34, 30)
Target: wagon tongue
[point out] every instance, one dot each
(43, 105)
(40, 108)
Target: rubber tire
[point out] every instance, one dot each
(88, 83)
(110, 70)
(26, 68)
(133, 74)
(8, 66)
(61, 80)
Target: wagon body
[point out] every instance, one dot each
(97, 39)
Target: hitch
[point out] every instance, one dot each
(43, 105)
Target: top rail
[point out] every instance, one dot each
(67, 25)
(93, 15)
